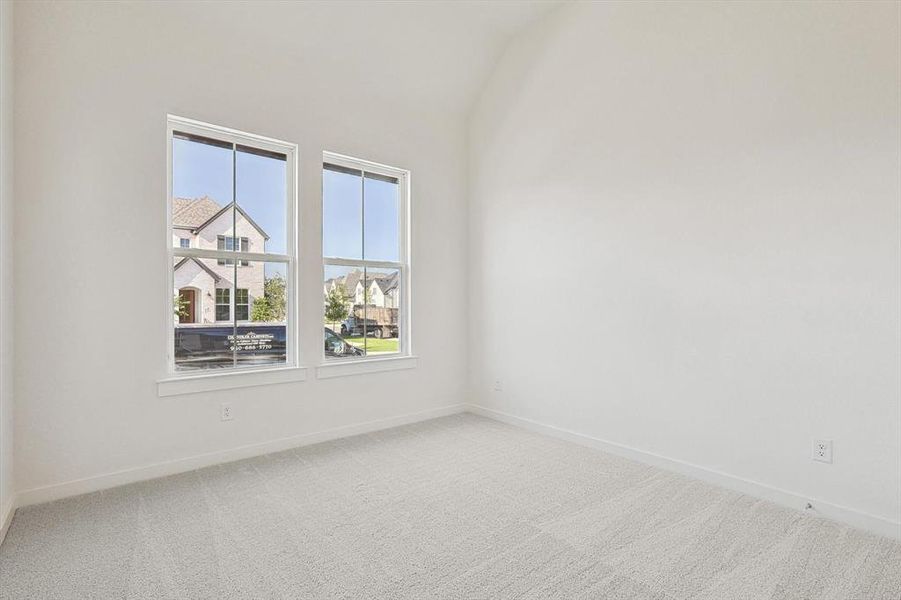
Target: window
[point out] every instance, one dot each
(365, 262)
(230, 243)
(245, 247)
(223, 304)
(242, 305)
(232, 199)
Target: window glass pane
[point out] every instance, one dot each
(381, 206)
(224, 243)
(223, 304)
(229, 197)
(343, 296)
(261, 335)
(342, 214)
(202, 191)
(261, 188)
(201, 314)
(242, 307)
(380, 311)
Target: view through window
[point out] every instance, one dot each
(364, 255)
(232, 247)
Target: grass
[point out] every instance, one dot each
(375, 344)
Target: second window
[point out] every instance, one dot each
(364, 247)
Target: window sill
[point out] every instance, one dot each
(192, 384)
(343, 368)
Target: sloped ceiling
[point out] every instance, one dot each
(434, 54)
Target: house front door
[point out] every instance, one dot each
(188, 301)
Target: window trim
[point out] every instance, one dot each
(291, 258)
(404, 265)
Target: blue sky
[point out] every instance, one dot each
(343, 211)
(204, 170)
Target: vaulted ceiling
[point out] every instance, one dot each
(431, 54)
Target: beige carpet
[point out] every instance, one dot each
(458, 507)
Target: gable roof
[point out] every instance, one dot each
(349, 282)
(197, 213)
(212, 273)
(387, 281)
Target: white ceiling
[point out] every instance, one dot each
(433, 54)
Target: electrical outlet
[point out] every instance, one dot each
(822, 451)
(498, 385)
(225, 412)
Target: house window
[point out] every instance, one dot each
(235, 194)
(242, 304)
(229, 244)
(245, 247)
(225, 243)
(223, 304)
(365, 254)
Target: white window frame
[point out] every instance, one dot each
(333, 367)
(182, 382)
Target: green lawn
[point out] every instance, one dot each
(375, 344)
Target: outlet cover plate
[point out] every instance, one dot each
(822, 451)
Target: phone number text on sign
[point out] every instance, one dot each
(251, 341)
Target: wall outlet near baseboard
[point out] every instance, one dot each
(822, 451)
(498, 385)
(225, 412)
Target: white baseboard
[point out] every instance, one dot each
(109, 480)
(6, 517)
(821, 508)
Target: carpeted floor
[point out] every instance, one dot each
(458, 507)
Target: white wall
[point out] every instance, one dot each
(93, 85)
(6, 262)
(702, 200)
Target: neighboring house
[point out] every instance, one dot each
(351, 282)
(384, 288)
(207, 286)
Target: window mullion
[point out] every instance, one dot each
(234, 304)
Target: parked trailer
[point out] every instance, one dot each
(378, 322)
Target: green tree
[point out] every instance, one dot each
(335, 305)
(272, 306)
(261, 310)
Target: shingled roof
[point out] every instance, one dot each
(386, 281)
(193, 212)
(197, 213)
